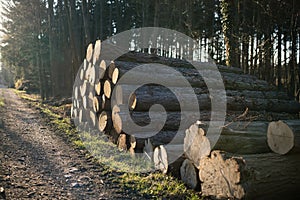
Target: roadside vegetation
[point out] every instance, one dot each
(152, 185)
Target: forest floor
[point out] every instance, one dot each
(39, 163)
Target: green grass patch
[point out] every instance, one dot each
(2, 103)
(157, 185)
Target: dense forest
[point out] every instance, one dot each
(45, 41)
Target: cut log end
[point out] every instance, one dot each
(107, 88)
(221, 177)
(97, 51)
(196, 144)
(115, 76)
(89, 52)
(104, 120)
(160, 159)
(280, 137)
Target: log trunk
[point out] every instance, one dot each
(257, 176)
(148, 95)
(189, 174)
(105, 121)
(196, 144)
(231, 80)
(284, 137)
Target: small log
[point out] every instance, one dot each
(153, 121)
(107, 89)
(105, 121)
(189, 174)
(132, 142)
(284, 137)
(98, 88)
(101, 67)
(122, 145)
(160, 159)
(110, 71)
(97, 103)
(89, 53)
(97, 51)
(257, 176)
(196, 144)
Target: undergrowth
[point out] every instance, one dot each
(153, 185)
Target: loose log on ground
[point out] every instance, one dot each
(284, 136)
(196, 144)
(257, 176)
(122, 145)
(189, 174)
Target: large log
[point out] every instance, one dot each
(257, 176)
(147, 95)
(231, 80)
(284, 136)
(174, 120)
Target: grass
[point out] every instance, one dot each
(2, 104)
(152, 185)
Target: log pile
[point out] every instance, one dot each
(173, 141)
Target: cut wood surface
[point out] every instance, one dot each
(196, 144)
(257, 176)
(160, 159)
(284, 136)
(97, 51)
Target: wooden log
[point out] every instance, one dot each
(105, 121)
(101, 69)
(196, 144)
(160, 159)
(110, 71)
(189, 174)
(232, 81)
(98, 88)
(257, 176)
(107, 89)
(132, 142)
(122, 142)
(166, 155)
(97, 51)
(97, 103)
(147, 95)
(284, 136)
(174, 120)
(89, 53)
(120, 94)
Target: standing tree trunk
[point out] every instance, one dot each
(230, 34)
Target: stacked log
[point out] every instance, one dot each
(179, 145)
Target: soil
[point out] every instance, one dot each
(38, 163)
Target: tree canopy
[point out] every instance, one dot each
(45, 40)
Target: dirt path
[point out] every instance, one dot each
(36, 163)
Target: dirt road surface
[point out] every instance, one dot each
(37, 163)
